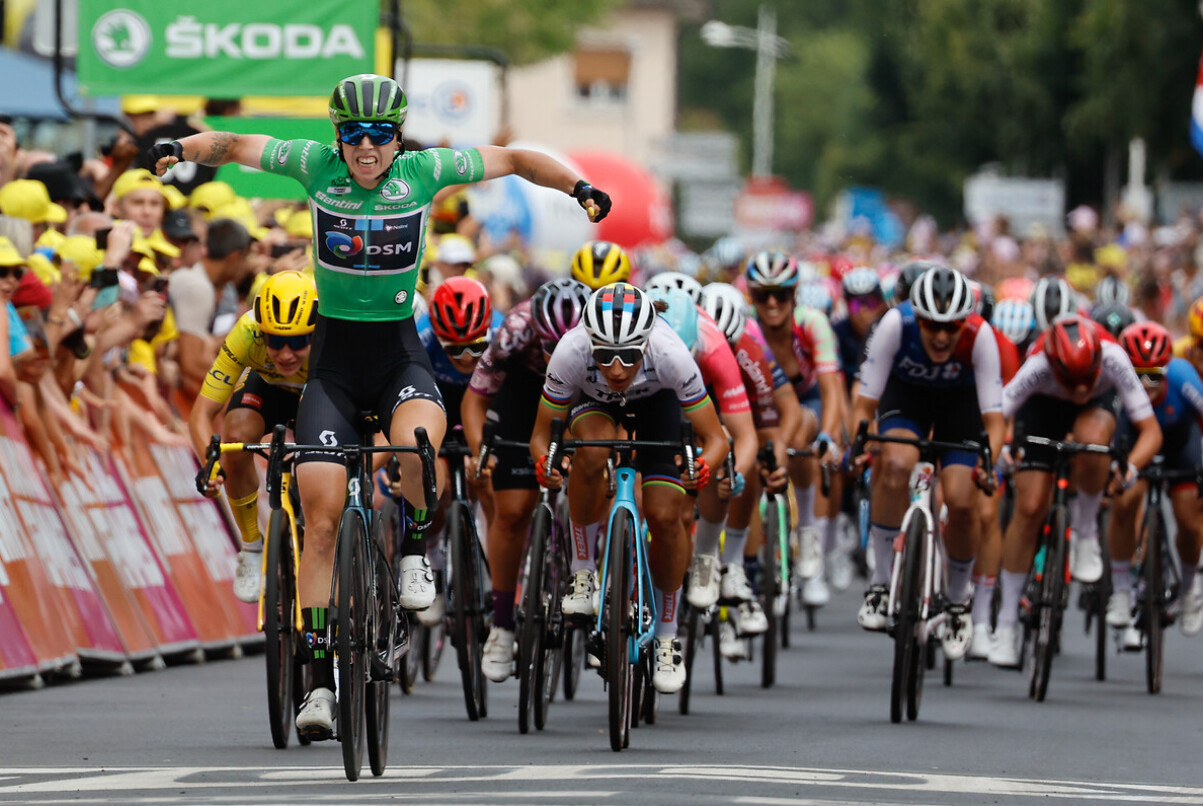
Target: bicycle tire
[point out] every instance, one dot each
(547, 672)
(433, 641)
(1153, 572)
(279, 627)
(574, 640)
(619, 677)
(300, 686)
(691, 623)
(1102, 592)
(351, 640)
(714, 629)
(650, 700)
(906, 621)
(770, 589)
(1048, 617)
(531, 617)
(465, 598)
(376, 700)
(415, 658)
(923, 653)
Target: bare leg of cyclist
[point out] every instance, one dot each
(507, 533)
(668, 559)
(1033, 493)
(1089, 475)
(891, 477)
(1185, 502)
(416, 579)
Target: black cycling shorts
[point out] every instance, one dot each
(1181, 445)
(277, 405)
(947, 414)
(1053, 418)
(514, 409)
(359, 367)
(656, 418)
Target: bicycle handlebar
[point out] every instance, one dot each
(1156, 473)
(559, 445)
(824, 467)
(927, 446)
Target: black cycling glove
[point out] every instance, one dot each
(584, 193)
(160, 150)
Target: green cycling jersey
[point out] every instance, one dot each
(367, 244)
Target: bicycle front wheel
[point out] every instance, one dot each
(619, 632)
(279, 627)
(1153, 576)
(351, 626)
(531, 629)
(908, 655)
(550, 661)
(383, 633)
(1051, 587)
(770, 589)
(466, 617)
(691, 625)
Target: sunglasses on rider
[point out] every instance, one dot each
(473, 349)
(951, 328)
(863, 302)
(779, 293)
(627, 356)
(295, 343)
(381, 134)
(17, 272)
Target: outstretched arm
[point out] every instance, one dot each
(213, 149)
(540, 169)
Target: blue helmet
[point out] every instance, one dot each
(814, 295)
(1014, 318)
(682, 313)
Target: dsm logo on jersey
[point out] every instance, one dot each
(344, 245)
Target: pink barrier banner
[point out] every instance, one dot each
(209, 531)
(146, 608)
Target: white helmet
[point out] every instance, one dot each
(619, 315)
(725, 290)
(1014, 319)
(726, 312)
(814, 295)
(1111, 289)
(942, 295)
(675, 279)
(1051, 298)
(861, 281)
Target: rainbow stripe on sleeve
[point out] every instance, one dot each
(695, 404)
(553, 402)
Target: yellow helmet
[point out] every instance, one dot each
(600, 263)
(287, 305)
(1196, 318)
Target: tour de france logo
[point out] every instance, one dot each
(121, 38)
(343, 245)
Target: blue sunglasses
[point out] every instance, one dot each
(381, 134)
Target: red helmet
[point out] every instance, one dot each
(460, 312)
(1074, 350)
(1147, 344)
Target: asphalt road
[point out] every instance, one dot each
(198, 734)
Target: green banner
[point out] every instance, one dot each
(253, 183)
(223, 48)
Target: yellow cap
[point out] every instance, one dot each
(9, 256)
(51, 238)
(175, 197)
(1111, 256)
(160, 244)
(240, 210)
(299, 224)
(139, 104)
(142, 246)
(42, 266)
(29, 199)
(212, 195)
(137, 179)
(81, 250)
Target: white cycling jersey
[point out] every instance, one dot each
(667, 364)
(1036, 377)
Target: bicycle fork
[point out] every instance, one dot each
(646, 611)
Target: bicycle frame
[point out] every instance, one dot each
(624, 506)
(922, 491)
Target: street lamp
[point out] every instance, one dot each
(769, 48)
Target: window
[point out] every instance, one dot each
(602, 74)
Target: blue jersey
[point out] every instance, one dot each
(1183, 398)
(913, 365)
(444, 371)
(18, 337)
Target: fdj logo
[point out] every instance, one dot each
(121, 38)
(344, 245)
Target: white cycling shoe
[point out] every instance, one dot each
(248, 577)
(983, 640)
(669, 674)
(752, 620)
(815, 592)
(497, 657)
(730, 646)
(703, 589)
(315, 720)
(1119, 609)
(810, 552)
(872, 615)
(734, 586)
(416, 582)
(956, 632)
(1086, 559)
(434, 615)
(582, 599)
(1005, 652)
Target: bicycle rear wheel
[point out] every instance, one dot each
(433, 639)
(279, 627)
(908, 657)
(1051, 590)
(531, 617)
(351, 627)
(619, 632)
(770, 589)
(715, 630)
(692, 623)
(467, 620)
(1153, 576)
(551, 659)
(574, 659)
(380, 653)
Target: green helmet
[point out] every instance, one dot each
(368, 97)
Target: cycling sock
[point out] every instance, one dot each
(959, 572)
(436, 552)
(246, 516)
(823, 527)
(584, 542)
(666, 624)
(414, 545)
(881, 538)
(1012, 591)
(1121, 576)
(417, 521)
(806, 504)
(1188, 577)
(503, 609)
(734, 544)
(983, 595)
(708, 535)
(317, 639)
(752, 572)
(1084, 515)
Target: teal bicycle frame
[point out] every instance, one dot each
(624, 507)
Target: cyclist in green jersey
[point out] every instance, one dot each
(370, 201)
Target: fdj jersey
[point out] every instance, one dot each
(368, 243)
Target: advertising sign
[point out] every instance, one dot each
(223, 48)
(452, 100)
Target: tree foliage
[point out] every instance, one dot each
(915, 95)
